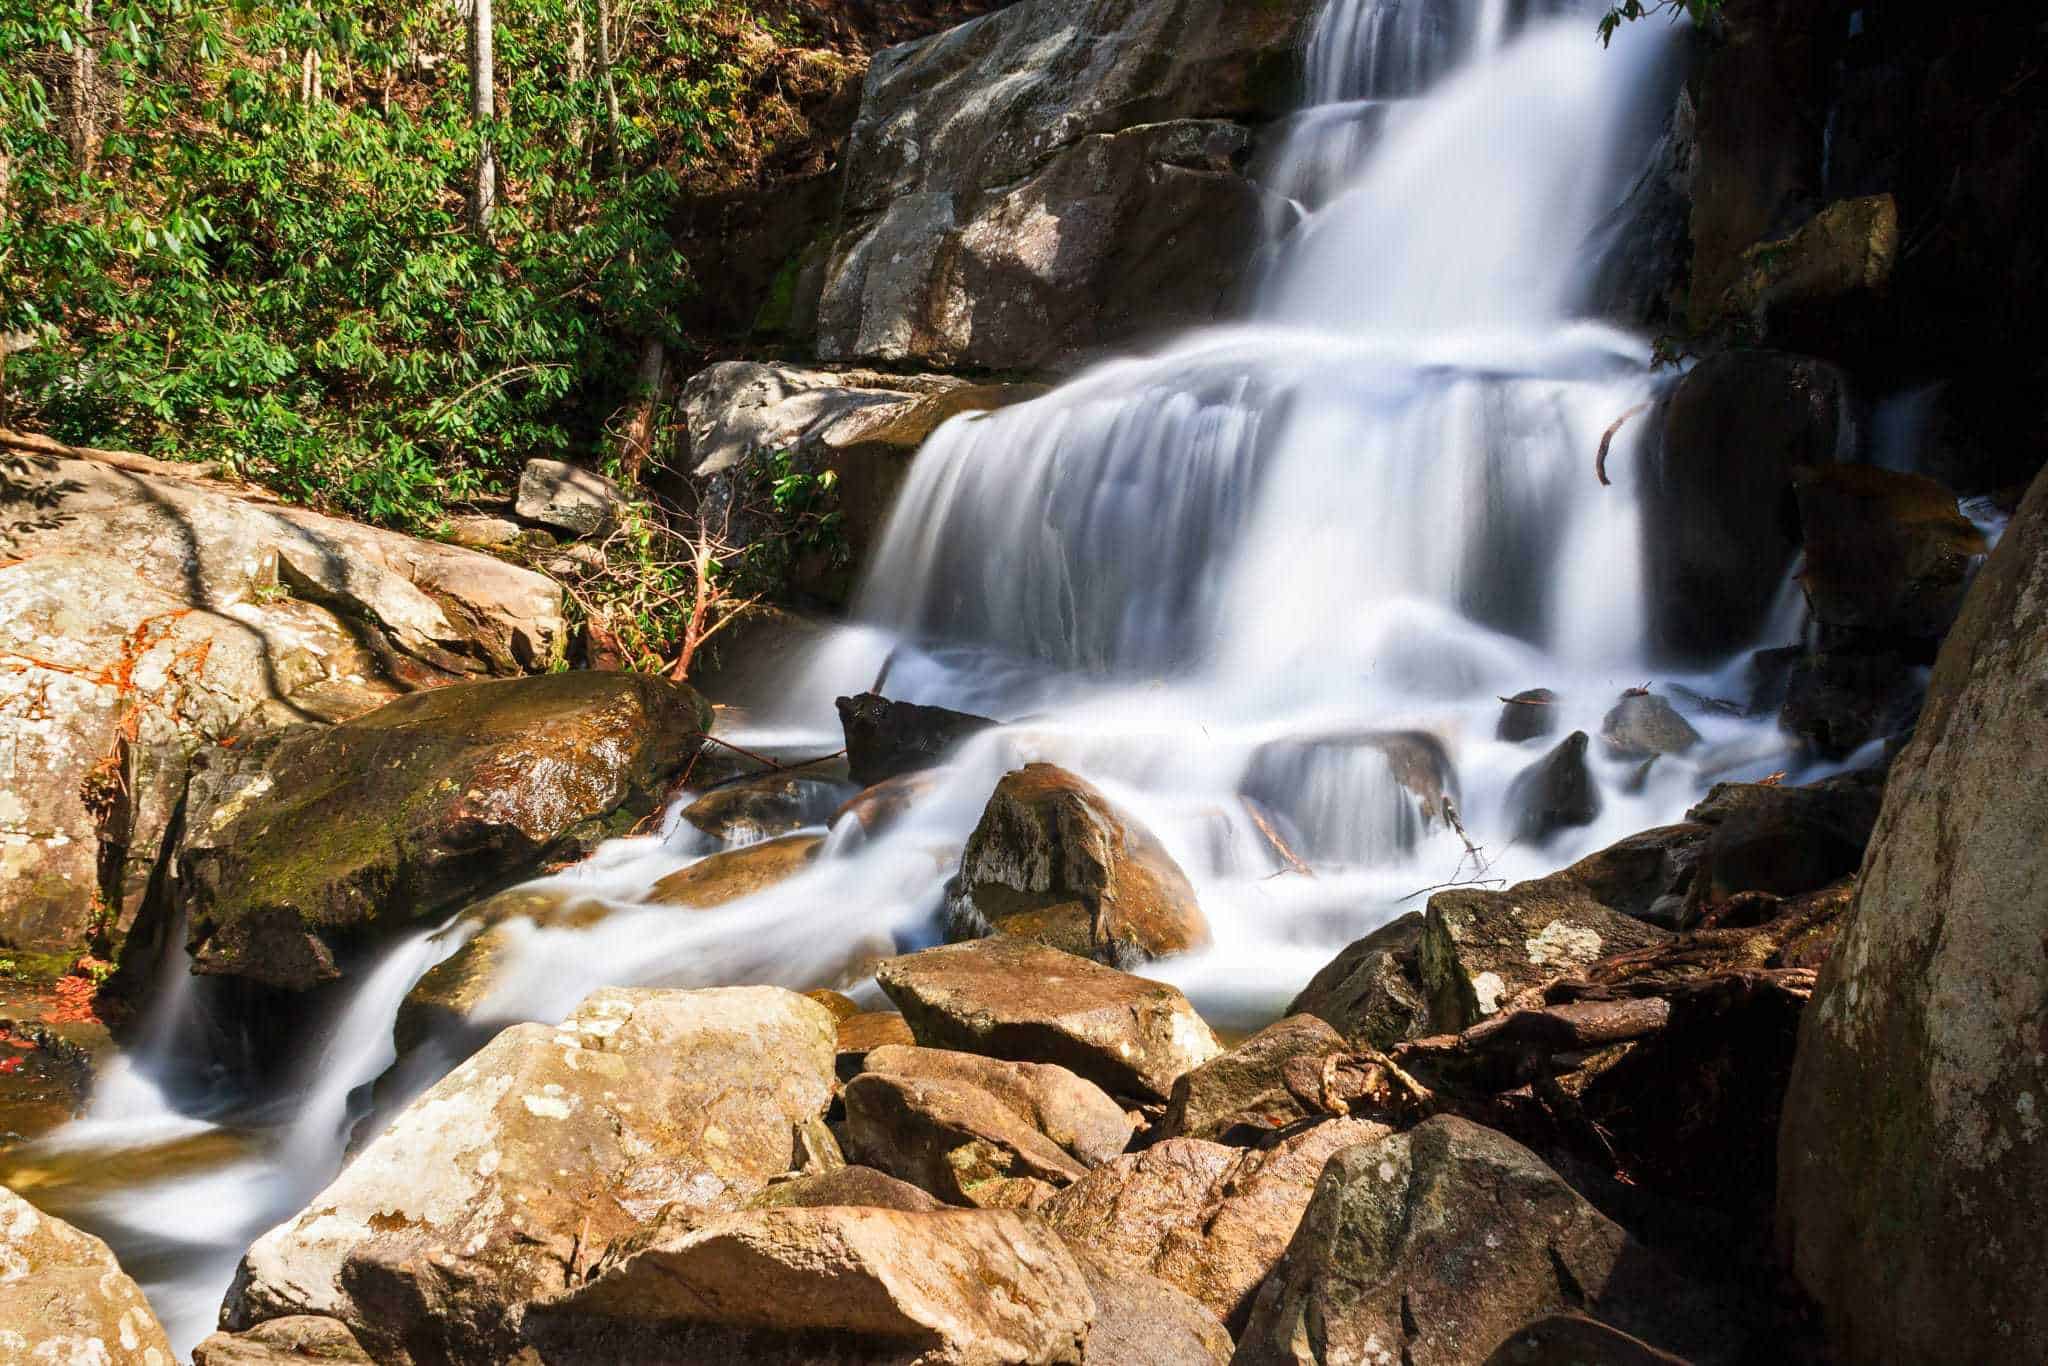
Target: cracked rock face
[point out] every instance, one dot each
(506, 1180)
(64, 1299)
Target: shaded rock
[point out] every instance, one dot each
(1887, 554)
(829, 1285)
(491, 1189)
(736, 873)
(1913, 1150)
(1554, 793)
(300, 1338)
(1283, 774)
(1140, 1320)
(1007, 998)
(764, 807)
(862, 1034)
(1643, 725)
(1441, 1244)
(330, 837)
(1245, 1088)
(1839, 701)
(855, 1185)
(1782, 840)
(63, 1297)
(1575, 1340)
(1527, 715)
(1648, 875)
(886, 739)
(1830, 274)
(1052, 179)
(1480, 948)
(1073, 1113)
(1737, 428)
(1205, 1218)
(1371, 993)
(953, 1139)
(1054, 862)
(579, 501)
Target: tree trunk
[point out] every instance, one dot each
(604, 74)
(84, 128)
(653, 375)
(483, 107)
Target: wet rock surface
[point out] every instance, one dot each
(1010, 999)
(1054, 862)
(1555, 793)
(764, 807)
(1643, 725)
(1527, 715)
(735, 873)
(63, 1297)
(887, 739)
(450, 791)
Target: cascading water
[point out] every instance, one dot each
(1258, 580)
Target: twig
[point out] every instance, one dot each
(1455, 882)
(1607, 440)
(1280, 846)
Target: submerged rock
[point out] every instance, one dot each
(501, 1183)
(1205, 1218)
(766, 806)
(735, 873)
(1914, 1151)
(828, 1285)
(1007, 998)
(1439, 1245)
(63, 1297)
(1527, 715)
(1554, 793)
(329, 838)
(886, 739)
(1054, 862)
(1372, 992)
(1643, 725)
(1284, 775)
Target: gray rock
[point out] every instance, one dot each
(1554, 793)
(1644, 725)
(888, 739)
(568, 497)
(1481, 948)
(1527, 715)
(1372, 992)
(1914, 1150)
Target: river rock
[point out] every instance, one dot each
(1245, 1089)
(887, 739)
(1738, 427)
(1782, 840)
(569, 498)
(735, 873)
(881, 806)
(1208, 1219)
(334, 836)
(1075, 1114)
(829, 1285)
(1887, 554)
(1140, 1320)
(1437, 1246)
(1648, 875)
(1054, 178)
(296, 1338)
(1554, 793)
(1007, 998)
(1372, 993)
(850, 1185)
(764, 807)
(1480, 948)
(953, 1139)
(1837, 701)
(1643, 725)
(1282, 773)
(1527, 715)
(1054, 862)
(63, 1297)
(863, 1033)
(1914, 1150)
(499, 1183)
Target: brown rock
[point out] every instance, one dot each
(881, 806)
(830, 1285)
(1209, 1219)
(299, 1338)
(953, 1139)
(1140, 1320)
(63, 1297)
(1246, 1088)
(1372, 992)
(854, 1185)
(737, 873)
(1006, 998)
(1073, 1113)
(860, 1035)
(1053, 861)
(763, 807)
(1886, 553)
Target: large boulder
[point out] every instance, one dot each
(1054, 179)
(1828, 276)
(501, 1182)
(63, 1297)
(834, 1284)
(1208, 1219)
(1008, 998)
(1439, 1245)
(1914, 1149)
(1887, 555)
(1053, 861)
(1481, 948)
(1737, 428)
(327, 837)
(145, 611)
(1372, 992)
(1140, 1320)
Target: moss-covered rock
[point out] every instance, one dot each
(318, 840)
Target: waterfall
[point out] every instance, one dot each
(1228, 583)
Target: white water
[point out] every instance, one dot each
(1369, 507)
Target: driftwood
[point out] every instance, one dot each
(1607, 441)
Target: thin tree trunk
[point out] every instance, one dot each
(604, 74)
(84, 92)
(483, 107)
(648, 384)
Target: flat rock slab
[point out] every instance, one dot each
(1007, 998)
(835, 1284)
(64, 1299)
(952, 1138)
(1076, 1114)
(325, 837)
(501, 1182)
(568, 497)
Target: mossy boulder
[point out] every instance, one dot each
(320, 840)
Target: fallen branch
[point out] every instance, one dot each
(1607, 440)
(1273, 837)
